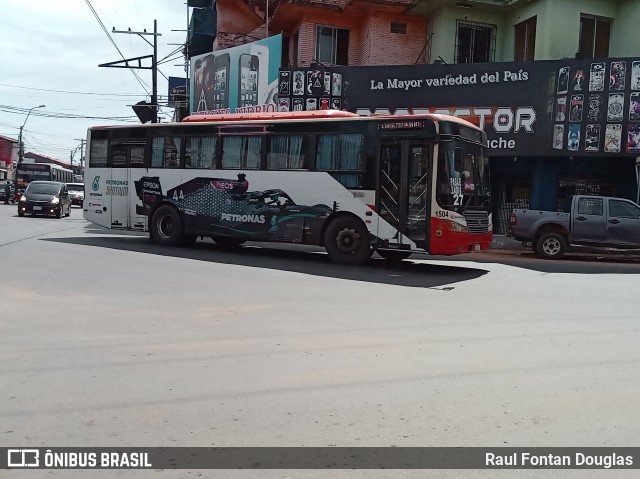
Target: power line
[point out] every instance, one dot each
(95, 14)
(72, 92)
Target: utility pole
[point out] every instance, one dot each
(20, 141)
(153, 67)
(81, 162)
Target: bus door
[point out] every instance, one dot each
(118, 189)
(403, 199)
(127, 157)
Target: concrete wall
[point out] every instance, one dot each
(557, 31)
(625, 35)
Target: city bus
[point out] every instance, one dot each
(28, 172)
(351, 184)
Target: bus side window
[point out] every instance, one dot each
(241, 152)
(342, 156)
(98, 155)
(165, 152)
(286, 152)
(200, 152)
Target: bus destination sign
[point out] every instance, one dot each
(400, 125)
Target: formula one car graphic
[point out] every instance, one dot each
(220, 206)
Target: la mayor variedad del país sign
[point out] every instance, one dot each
(554, 107)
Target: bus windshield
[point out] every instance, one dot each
(463, 176)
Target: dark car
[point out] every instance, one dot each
(49, 198)
(76, 191)
(7, 191)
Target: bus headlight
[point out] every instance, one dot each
(55, 200)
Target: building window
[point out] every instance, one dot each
(332, 45)
(398, 27)
(475, 42)
(594, 36)
(525, 41)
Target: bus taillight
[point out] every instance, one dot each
(373, 207)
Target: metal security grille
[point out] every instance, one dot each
(475, 42)
(510, 194)
(568, 187)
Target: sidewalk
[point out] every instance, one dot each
(507, 245)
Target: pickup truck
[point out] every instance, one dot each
(594, 221)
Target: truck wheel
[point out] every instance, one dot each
(551, 246)
(166, 226)
(347, 241)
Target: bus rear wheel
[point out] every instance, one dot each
(166, 226)
(347, 241)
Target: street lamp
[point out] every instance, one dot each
(20, 142)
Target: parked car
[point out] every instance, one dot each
(7, 191)
(49, 198)
(76, 191)
(594, 221)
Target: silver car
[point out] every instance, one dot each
(76, 191)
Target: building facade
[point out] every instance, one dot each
(555, 83)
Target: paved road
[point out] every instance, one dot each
(107, 340)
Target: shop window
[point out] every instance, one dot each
(475, 42)
(525, 40)
(332, 45)
(595, 33)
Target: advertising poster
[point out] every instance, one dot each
(238, 79)
(554, 107)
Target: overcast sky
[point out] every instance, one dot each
(50, 55)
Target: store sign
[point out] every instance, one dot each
(563, 107)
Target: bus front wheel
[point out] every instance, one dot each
(347, 241)
(166, 226)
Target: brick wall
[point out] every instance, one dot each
(370, 39)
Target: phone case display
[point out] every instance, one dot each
(575, 113)
(617, 76)
(592, 138)
(595, 94)
(312, 89)
(613, 138)
(573, 137)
